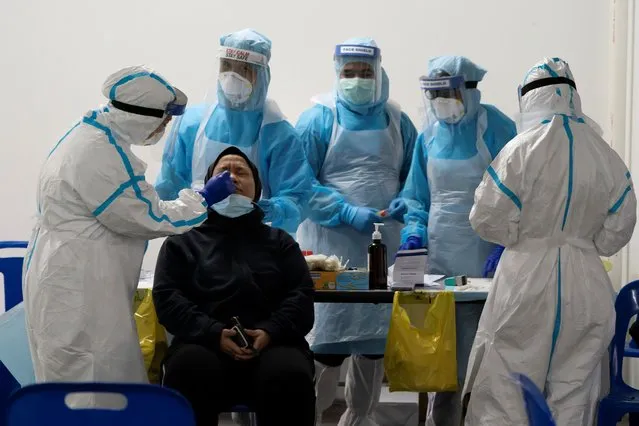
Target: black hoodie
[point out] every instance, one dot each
(233, 267)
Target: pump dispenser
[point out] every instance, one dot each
(377, 262)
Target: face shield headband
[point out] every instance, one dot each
(522, 90)
(176, 107)
(348, 50)
(444, 87)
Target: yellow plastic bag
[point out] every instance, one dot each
(607, 264)
(421, 353)
(153, 342)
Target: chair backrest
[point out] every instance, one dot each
(8, 384)
(53, 404)
(626, 307)
(539, 413)
(11, 269)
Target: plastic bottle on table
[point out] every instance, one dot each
(377, 263)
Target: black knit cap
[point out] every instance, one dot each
(236, 151)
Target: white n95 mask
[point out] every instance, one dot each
(236, 88)
(235, 205)
(449, 110)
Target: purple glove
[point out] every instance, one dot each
(412, 243)
(492, 261)
(217, 188)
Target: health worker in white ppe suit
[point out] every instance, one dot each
(359, 145)
(557, 197)
(95, 214)
(237, 112)
(461, 137)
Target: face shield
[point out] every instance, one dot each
(238, 74)
(174, 113)
(359, 74)
(537, 84)
(443, 96)
(543, 98)
(175, 108)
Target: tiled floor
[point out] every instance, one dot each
(331, 417)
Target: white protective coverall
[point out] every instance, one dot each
(95, 214)
(557, 197)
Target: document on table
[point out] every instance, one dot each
(431, 280)
(409, 269)
(410, 266)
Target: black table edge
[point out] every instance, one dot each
(363, 296)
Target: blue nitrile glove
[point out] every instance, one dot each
(492, 261)
(360, 218)
(217, 188)
(397, 209)
(412, 243)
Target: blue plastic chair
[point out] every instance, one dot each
(14, 345)
(11, 268)
(631, 350)
(622, 398)
(8, 385)
(44, 404)
(537, 409)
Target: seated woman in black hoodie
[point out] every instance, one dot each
(233, 265)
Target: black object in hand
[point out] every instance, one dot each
(241, 338)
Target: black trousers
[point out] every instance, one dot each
(337, 360)
(277, 384)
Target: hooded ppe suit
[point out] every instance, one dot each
(451, 156)
(95, 214)
(557, 197)
(359, 145)
(237, 113)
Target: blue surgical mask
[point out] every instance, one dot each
(235, 205)
(358, 91)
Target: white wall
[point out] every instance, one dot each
(631, 148)
(630, 145)
(55, 55)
